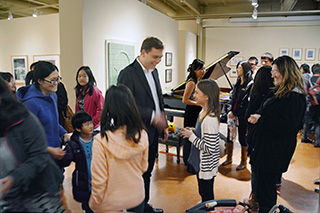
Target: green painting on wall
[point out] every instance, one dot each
(119, 56)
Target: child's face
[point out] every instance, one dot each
(83, 78)
(87, 128)
(200, 97)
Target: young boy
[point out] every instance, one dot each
(79, 150)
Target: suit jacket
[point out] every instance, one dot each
(134, 78)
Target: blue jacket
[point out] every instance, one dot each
(45, 108)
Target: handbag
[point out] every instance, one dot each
(67, 117)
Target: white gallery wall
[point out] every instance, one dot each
(28, 36)
(118, 21)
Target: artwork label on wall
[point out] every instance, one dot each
(297, 53)
(233, 73)
(120, 55)
(168, 59)
(168, 75)
(284, 51)
(19, 67)
(310, 54)
(54, 59)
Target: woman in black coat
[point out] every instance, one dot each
(237, 106)
(277, 123)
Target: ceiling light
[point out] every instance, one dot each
(10, 16)
(255, 3)
(255, 13)
(198, 20)
(35, 13)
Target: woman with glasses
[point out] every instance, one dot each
(41, 100)
(277, 123)
(89, 97)
(196, 72)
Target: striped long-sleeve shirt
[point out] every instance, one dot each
(209, 148)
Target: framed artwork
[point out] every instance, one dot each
(319, 54)
(54, 59)
(297, 53)
(310, 54)
(235, 60)
(283, 51)
(168, 59)
(233, 72)
(168, 75)
(20, 67)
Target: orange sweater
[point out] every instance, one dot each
(117, 167)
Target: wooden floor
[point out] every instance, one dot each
(174, 190)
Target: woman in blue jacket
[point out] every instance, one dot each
(41, 100)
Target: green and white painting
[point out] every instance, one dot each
(119, 56)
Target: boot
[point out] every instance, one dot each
(229, 147)
(243, 163)
(252, 202)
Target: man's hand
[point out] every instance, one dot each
(159, 121)
(5, 185)
(57, 153)
(253, 119)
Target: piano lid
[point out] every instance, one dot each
(214, 70)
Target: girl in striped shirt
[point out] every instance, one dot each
(207, 140)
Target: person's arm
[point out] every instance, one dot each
(99, 173)
(190, 85)
(68, 157)
(144, 137)
(99, 101)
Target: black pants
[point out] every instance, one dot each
(153, 151)
(267, 191)
(205, 189)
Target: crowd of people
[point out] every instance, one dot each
(115, 139)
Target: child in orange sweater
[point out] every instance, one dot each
(119, 155)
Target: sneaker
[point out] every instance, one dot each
(316, 189)
(254, 205)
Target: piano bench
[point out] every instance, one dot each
(173, 140)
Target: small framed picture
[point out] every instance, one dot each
(297, 53)
(283, 51)
(54, 59)
(168, 59)
(233, 72)
(168, 75)
(310, 54)
(19, 67)
(235, 60)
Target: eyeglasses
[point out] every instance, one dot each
(53, 81)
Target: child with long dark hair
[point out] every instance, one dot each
(119, 155)
(89, 97)
(205, 136)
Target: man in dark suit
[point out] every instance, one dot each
(141, 77)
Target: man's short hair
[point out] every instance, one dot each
(254, 58)
(151, 42)
(268, 56)
(305, 67)
(316, 69)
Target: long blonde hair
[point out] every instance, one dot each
(291, 76)
(211, 89)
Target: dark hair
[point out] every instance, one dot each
(6, 76)
(263, 81)
(305, 67)
(316, 69)
(210, 88)
(151, 42)
(291, 76)
(11, 110)
(196, 64)
(254, 58)
(120, 109)
(92, 81)
(268, 56)
(29, 78)
(42, 70)
(79, 118)
(247, 71)
(33, 65)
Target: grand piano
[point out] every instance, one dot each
(173, 105)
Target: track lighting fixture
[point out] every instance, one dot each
(10, 17)
(35, 13)
(255, 3)
(255, 13)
